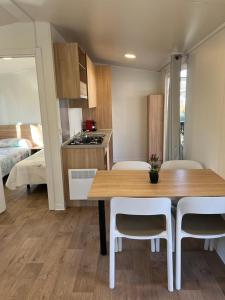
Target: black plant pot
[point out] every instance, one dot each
(154, 176)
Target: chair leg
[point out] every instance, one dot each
(153, 245)
(157, 245)
(170, 265)
(178, 263)
(120, 244)
(211, 245)
(206, 245)
(116, 245)
(112, 262)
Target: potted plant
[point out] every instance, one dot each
(154, 171)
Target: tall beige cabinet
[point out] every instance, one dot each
(155, 125)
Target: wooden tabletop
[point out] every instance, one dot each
(172, 183)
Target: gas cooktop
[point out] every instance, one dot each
(88, 140)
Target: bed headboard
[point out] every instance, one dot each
(32, 132)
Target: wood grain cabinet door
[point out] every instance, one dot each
(67, 70)
(155, 125)
(91, 80)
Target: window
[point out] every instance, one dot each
(183, 85)
(166, 91)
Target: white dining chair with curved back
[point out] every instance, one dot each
(140, 219)
(187, 165)
(133, 165)
(181, 164)
(200, 218)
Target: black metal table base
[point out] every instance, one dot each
(102, 229)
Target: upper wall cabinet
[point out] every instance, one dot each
(71, 71)
(91, 79)
(75, 75)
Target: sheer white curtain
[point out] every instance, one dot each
(172, 138)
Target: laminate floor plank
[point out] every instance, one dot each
(47, 255)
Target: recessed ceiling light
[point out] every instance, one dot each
(7, 58)
(130, 55)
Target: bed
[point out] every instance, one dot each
(16, 142)
(29, 171)
(9, 156)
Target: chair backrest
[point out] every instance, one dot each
(201, 205)
(141, 206)
(181, 164)
(131, 165)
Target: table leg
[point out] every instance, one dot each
(102, 230)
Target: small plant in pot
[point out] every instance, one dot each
(154, 171)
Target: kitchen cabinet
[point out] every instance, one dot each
(70, 71)
(75, 75)
(155, 125)
(91, 81)
(102, 114)
(104, 96)
(86, 157)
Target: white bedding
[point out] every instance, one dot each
(31, 170)
(9, 156)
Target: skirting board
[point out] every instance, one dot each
(220, 249)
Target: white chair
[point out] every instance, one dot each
(200, 218)
(140, 219)
(186, 165)
(133, 165)
(181, 164)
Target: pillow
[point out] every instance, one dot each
(14, 142)
(25, 143)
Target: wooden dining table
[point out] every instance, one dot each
(172, 183)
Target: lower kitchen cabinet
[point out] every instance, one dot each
(84, 158)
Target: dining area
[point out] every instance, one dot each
(186, 204)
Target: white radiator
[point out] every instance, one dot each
(80, 181)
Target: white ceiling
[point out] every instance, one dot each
(5, 17)
(152, 29)
(16, 65)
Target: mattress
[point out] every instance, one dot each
(31, 170)
(10, 156)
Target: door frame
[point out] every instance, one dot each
(37, 54)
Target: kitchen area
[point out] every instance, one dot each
(85, 100)
(85, 90)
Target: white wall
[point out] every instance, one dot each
(17, 36)
(204, 135)
(205, 126)
(130, 88)
(19, 99)
(75, 120)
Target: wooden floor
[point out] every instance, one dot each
(55, 255)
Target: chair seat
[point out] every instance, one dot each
(203, 224)
(140, 225)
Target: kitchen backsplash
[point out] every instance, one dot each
(75, 120)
